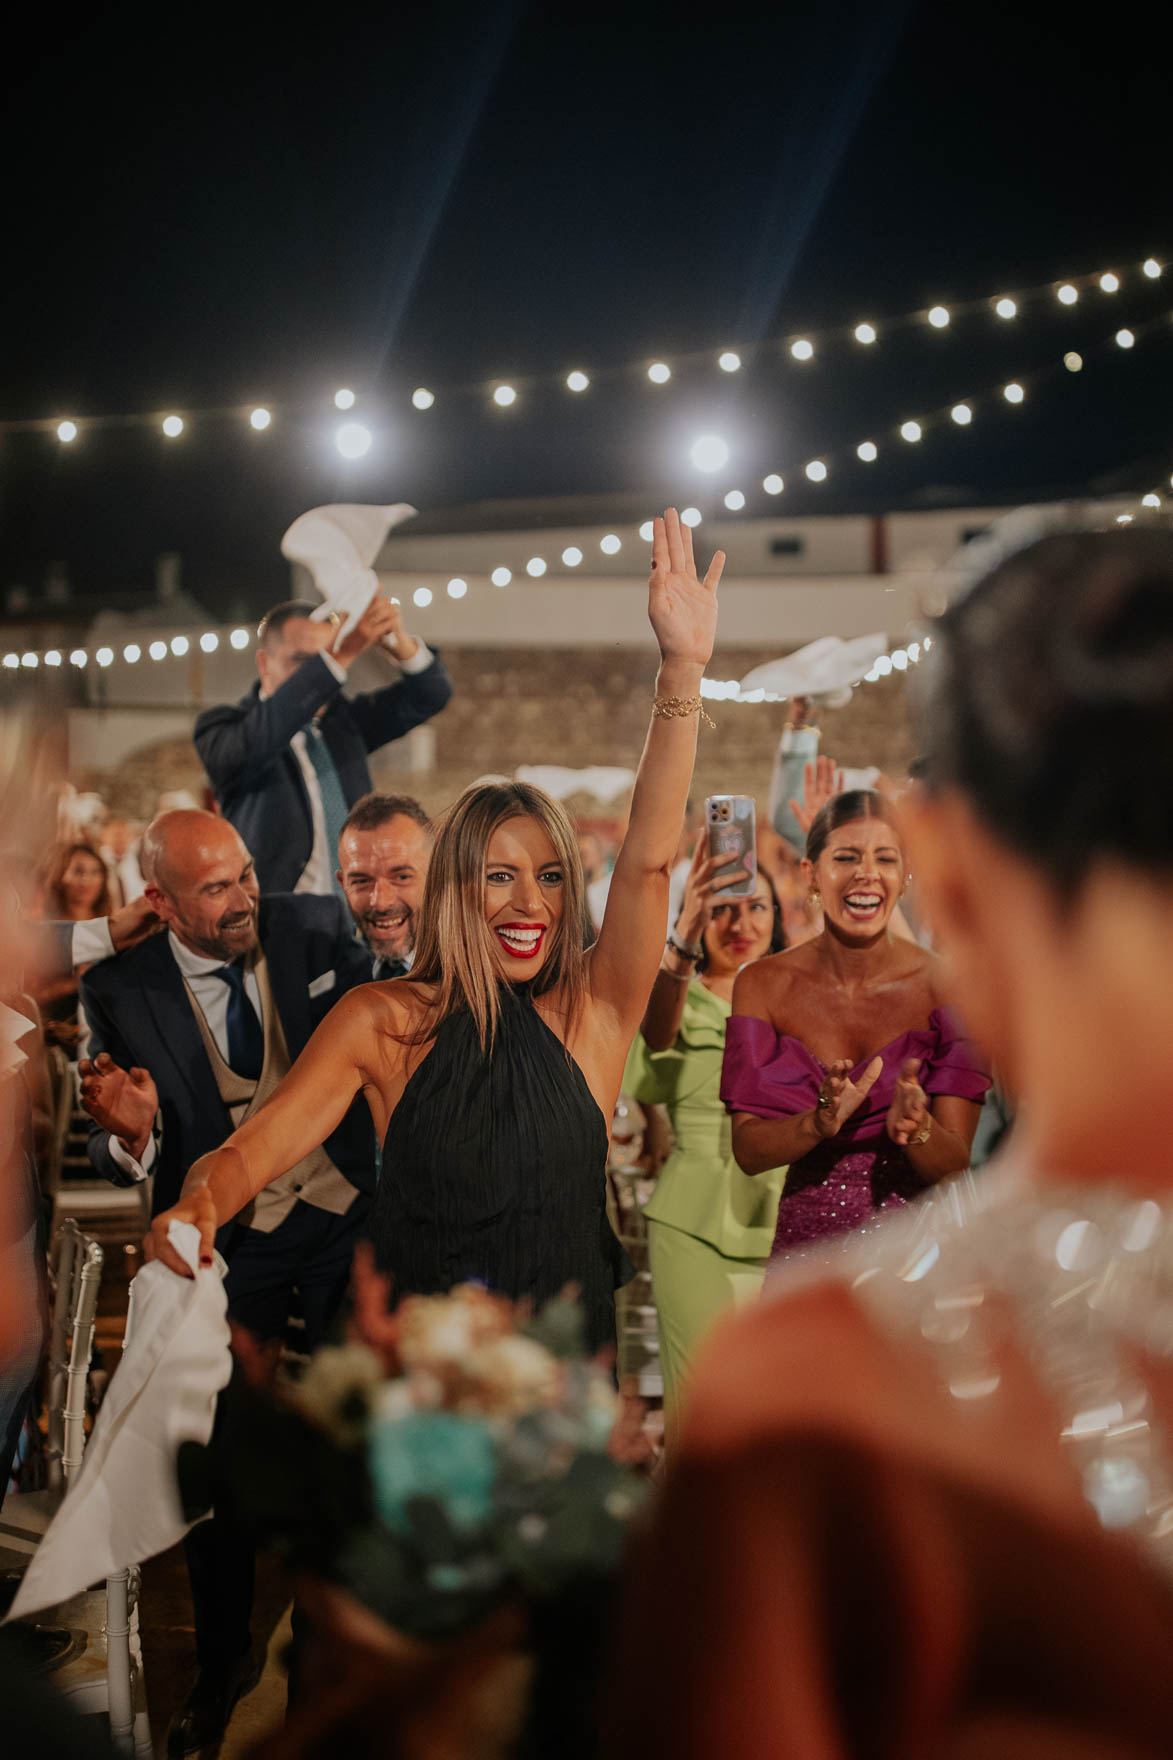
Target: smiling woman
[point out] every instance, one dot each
(491, 1071)
(841, 1061)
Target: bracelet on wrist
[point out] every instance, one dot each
(688, 950)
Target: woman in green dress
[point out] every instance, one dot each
(710, 1226)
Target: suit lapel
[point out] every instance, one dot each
(167, 1002)
(287, 977)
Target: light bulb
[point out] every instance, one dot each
(572, 556)
(1013, 393)
(353, 439)
(802, 350)
(66, 431)
(1073, 362)
(576, 381)
(1150, 501)
(816, 470)
(1124, 339)
(962, 414)
(773, 484)
(690, 516)
(457, 587)
(78, 657)
(422, 398)
(239, 638)
(422, 596)
(1109, 283)
(710, 452)
(1067, 294)
(158, 650)
(504, 395)
(939, 317)
(729, 361)
(260, 419)
(104, 656)
(53, 657)
(179, 646)
(344, 399)
(132, 653)
(647, 532)
(611, 545)
(30, 660)
(1152, 268)
(501, 577)
(911, 431)
(865, 333)
(735, 501)
(536, 567)
(867, 451)
(1007, 308)
(659, 373)
(209, 642)
(900, 660)
(173, 426)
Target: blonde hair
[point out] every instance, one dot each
(454, 949)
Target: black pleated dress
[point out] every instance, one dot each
(493, 1172)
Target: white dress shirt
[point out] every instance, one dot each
(318, 874)
(91, 941)
(211, 993)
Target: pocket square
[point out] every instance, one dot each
(325, 982)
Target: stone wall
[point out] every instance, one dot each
(572, 706)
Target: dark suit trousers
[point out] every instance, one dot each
(311, 1251)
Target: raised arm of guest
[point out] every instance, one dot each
(683, 612)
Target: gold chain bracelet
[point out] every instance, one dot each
(670, 707)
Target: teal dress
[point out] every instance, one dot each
(710, 1226)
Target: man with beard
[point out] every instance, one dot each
(191, 1031)
(383, 854)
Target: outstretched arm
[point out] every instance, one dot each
(683, 614)
(307, 1106)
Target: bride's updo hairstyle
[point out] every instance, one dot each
(454, 948)
(1049, 703)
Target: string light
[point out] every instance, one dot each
(816, 470)
(865, 333)
(422, 596)
(53, 657)
(457, 587)
(78, 658)
(802, 350)
(611, 545)
(104, 656)
(1073, 362)
(1124, 339)
(962, 414)
(576, 381)
(867, 451)
(501, 577)
(260, 419)
(1150, 500)
(1109, 283)
(659, 373)
(536, 567)
(179, 646)
(647, 532)
(504, 395)
(729, 360)
(66, 432)
(1152, 268)
(1007, 308)
(710, 453)
(422, 398)
(132, 653)
(353, 440)
(571, 556)
(209, 642)
(1067, 295)
(735, 501)
(158, 650)
(1013, 393)
(344, 399)
(691, 516)
(12, 661)
(939, 317)
(173, 427)
(773, 484)
(30, 660)
(911, 431)
(239, 638)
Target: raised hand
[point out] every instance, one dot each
(682, 609)
(839, 1096)
(820, 781)
(380, 622)
(707, 877)
(133, 923)
(123, 1102)
(909, 1111)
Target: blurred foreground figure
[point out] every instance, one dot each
(924, 1501)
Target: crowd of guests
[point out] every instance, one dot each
(331, 1020)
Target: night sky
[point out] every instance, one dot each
(212, 208)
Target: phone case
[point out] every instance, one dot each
(732, 828)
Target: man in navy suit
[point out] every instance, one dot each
(190, 1032)
(289, 760)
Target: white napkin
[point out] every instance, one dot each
(124, 1506)
(605, 781)
(338, 545)
(826, 668)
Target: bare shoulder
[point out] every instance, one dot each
(763, 986)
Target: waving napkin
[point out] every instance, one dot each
(124, 1506)
(605, 781)
(338, 545)
(827, 668)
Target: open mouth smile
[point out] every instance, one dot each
(521, 940)
(863, 907)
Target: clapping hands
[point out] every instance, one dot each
(909, 1112)
(839, 1096)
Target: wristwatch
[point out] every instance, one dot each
(684, 949)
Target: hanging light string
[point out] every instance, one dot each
(354, 437)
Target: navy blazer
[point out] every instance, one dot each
(244, 747)
(138, 1011)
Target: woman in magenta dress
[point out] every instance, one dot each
(841, 1061)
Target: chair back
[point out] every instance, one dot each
(71, 1343)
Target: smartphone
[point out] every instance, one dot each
(732, 829)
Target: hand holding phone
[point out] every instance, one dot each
(731, 822)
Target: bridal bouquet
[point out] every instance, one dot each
(453, 1460)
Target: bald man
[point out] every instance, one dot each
(190, 1033)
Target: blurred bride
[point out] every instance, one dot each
(924, 1496)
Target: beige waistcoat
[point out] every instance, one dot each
(315, 1180)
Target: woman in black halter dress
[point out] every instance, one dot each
(492, 1070)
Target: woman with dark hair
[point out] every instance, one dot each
(925, 1494)
(841, 1061)
(709, 1227)
(493, 1070)
(75, 888)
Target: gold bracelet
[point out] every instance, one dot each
(669, 707)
